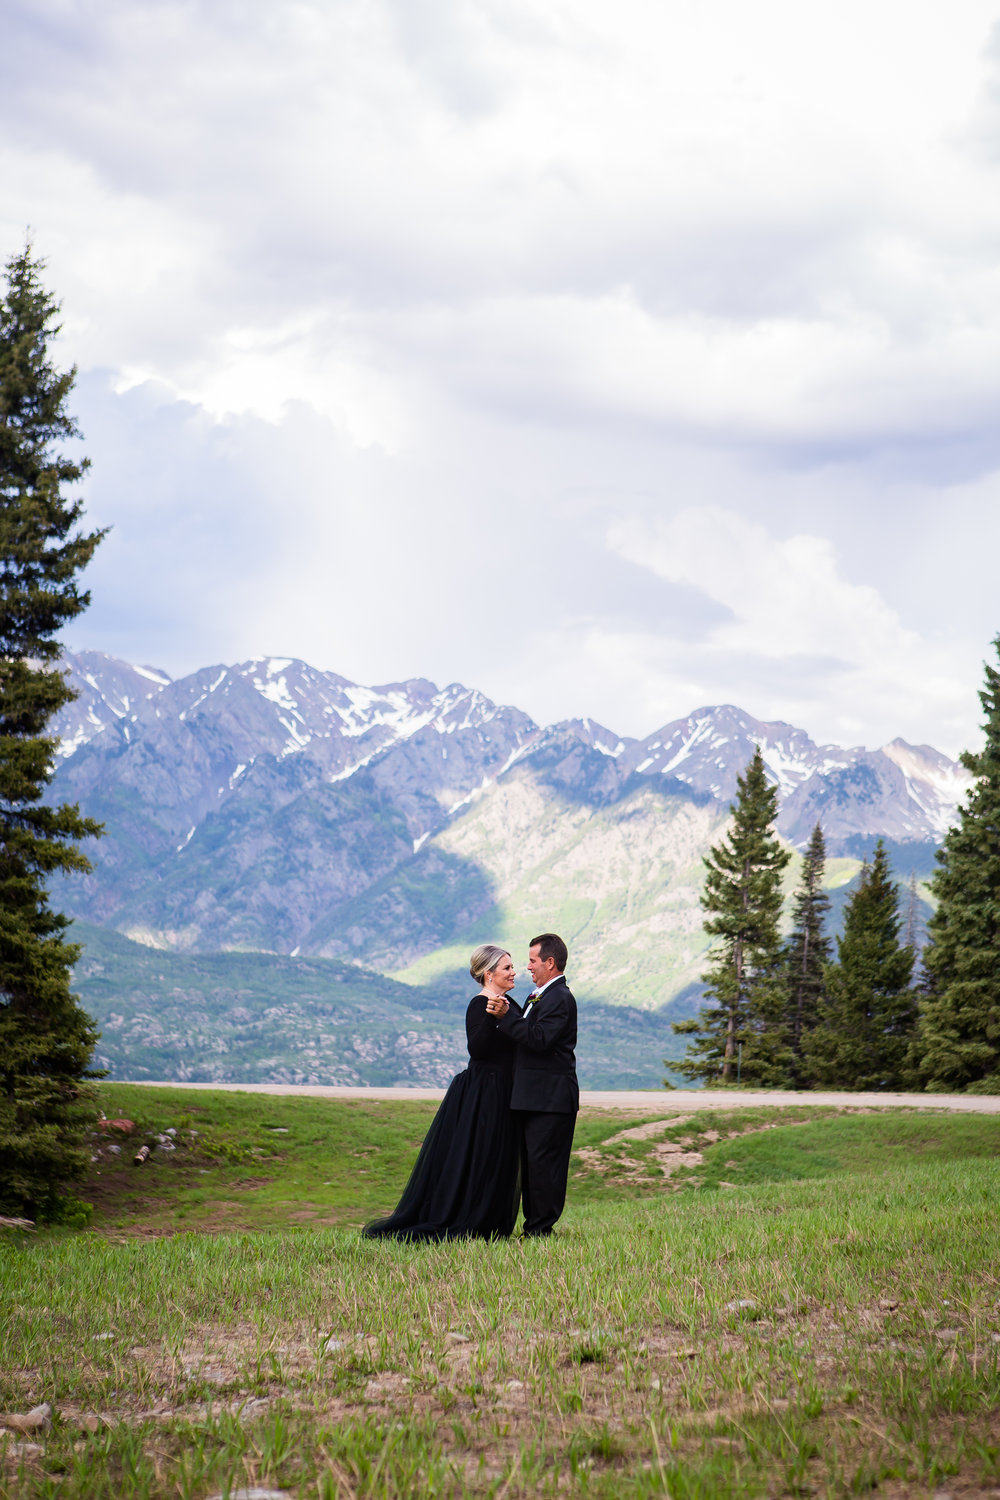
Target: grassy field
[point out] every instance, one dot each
(742, 1303)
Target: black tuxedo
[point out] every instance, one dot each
(545, 1099)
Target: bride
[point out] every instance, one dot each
(466, 1182)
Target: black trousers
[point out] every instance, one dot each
(546, 1143)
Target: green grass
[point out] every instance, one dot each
(828, 1326)
(251, 1161)
(757, 1147)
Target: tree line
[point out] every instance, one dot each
(876, 1014)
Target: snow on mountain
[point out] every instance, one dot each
(435, 749)
(271, 733)
(596, 736)
(270, 805)
(283, 704)
(935, 783)
(710, 747)
(903, 792)
(110, 691)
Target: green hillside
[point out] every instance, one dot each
(264, 1018)
(620, 882)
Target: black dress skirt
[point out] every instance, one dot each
(467, 1181)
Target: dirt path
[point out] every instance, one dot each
(642, 1101)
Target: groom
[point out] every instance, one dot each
(546, 1095)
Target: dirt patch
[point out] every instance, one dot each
(649, 1130)
(665, 1156)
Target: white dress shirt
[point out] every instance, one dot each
(539, 993)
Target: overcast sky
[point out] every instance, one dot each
(614, 359)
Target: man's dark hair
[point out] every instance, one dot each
(551, 946)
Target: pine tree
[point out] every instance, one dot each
(807, 953)
(914, 926)
(46, 1040)
(958, 1039)
(865, 1024)
(742, 897)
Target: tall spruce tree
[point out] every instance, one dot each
(866, 1021)
(914, 930)
(46, 1040)
(807, 954)
(958, 1038)
(742, 898)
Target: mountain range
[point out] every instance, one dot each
(444, 744)
(272, 807)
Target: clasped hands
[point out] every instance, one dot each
(497, 1005)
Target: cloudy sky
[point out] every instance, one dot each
(615, 359)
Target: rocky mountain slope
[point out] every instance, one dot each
(271, 806)
(901, 792)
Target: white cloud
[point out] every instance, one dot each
(732, 221)
(832, 652)
(788, 597)
(262, 372)
(431, 280)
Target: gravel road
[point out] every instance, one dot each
(652, 1101)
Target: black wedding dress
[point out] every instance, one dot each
(466, 1183)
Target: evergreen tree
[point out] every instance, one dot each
(865, 1024)
(914, 926)
(46, 1040)
(807, 953)
(958, 1039)
(742, 899)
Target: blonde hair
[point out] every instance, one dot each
(485, 960)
